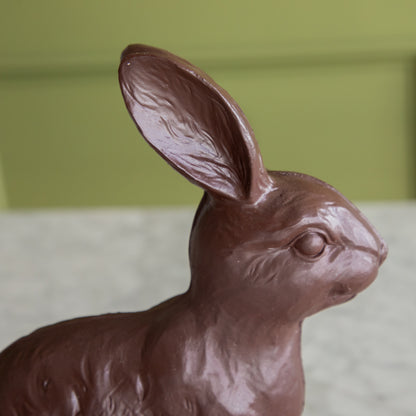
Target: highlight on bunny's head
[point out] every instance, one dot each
(286, 238)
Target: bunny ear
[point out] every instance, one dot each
(192, 123)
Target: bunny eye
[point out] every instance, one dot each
(310, 244)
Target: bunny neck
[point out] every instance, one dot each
(243, 323)
(244, 361)
(251, 316)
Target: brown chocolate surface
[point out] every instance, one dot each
(267, 249)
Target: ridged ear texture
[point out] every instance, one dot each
(189, 120)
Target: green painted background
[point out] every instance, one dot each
(328, 86)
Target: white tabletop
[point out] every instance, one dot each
(359, 357)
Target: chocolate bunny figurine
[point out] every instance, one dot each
(267, 249)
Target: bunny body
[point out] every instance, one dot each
(267, 249)
(159, 371)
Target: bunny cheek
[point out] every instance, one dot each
(278, 281)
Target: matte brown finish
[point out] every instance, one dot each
(267, 249)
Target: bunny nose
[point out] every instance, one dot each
(383, 251)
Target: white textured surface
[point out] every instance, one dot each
(359, 357)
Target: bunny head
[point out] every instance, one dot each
(281, 244)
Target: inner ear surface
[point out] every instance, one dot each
(189, 122)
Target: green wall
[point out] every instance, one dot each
(3, 195)
(329, 88)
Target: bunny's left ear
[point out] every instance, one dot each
(192, 123)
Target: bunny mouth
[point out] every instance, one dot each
(341, 293)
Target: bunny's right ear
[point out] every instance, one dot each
(192, 123)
